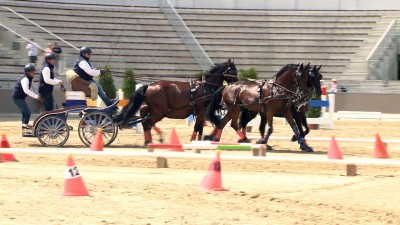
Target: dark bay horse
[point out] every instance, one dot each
(176, 100)
(269, 98)
(298, 111)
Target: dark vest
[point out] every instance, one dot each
(18, 92)
(43, 86)
(82, 74)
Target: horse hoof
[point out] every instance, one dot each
(148, 142)
(208, 137)
(269, 148)
(294, 138)
(306, 148)
(261, 141)
(216, 140)
(161, 140)
(244, 140)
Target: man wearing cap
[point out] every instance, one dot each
(25, 87)
(47, 81)
(85, 71)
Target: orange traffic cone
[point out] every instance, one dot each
(73, 184)
(3, 156)
(380, 148)
(213, 180)
(334, 150)
(97, 143)
(173, 139)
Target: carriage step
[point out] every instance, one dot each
(27, 133)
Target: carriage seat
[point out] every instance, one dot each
(79, 84)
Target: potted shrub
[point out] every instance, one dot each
(129, 83)
(248, 74)
(313, 112)
(107, 83)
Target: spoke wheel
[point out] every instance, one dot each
(52, 131)
(91, 122)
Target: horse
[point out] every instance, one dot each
(298, 113)
(269, 98)
(176, 100)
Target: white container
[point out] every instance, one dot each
(120, 94)
(75, 95)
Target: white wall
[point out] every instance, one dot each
(283, 4)
(256, 4)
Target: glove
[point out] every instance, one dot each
(102, 72)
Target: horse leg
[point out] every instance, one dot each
(159, 133)
(305, 124)
(200, 131)
(263, 122)
(221, 124)
(261, 128)
(269, 118)
(235, 112)
(245, 117)
(149, 122)
(300, 139)
(211, 136)
(198, 126)
(297, 118)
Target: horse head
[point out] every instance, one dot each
(230, 74)
(301, 79)
(314, 80)
(224, 71)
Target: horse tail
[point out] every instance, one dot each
(214, 106)
(135, 102)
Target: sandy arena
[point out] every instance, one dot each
(126, 190)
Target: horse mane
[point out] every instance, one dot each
(284, 68)
(215, 68)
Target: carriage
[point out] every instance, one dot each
(51, 128)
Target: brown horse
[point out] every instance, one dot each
(268, 98)
(298, 111)
(176, 100)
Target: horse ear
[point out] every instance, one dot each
(229, 60)
(308, 65)
(319, 67)
(314, 68)
(301, 66)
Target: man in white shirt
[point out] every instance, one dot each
(85, 71)
(25, 87)
(32, 52)
(47, 81)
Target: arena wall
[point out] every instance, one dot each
(257, 4)
(385, 103)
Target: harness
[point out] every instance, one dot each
(277, 92)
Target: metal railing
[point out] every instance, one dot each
(380, 59)
(37, 25)
(187, 37)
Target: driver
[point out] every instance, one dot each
(85, 71)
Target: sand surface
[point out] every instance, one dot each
(129, 190)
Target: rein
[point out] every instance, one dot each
(288, 94)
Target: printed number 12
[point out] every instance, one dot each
(74, 171)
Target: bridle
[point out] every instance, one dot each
(224, 76)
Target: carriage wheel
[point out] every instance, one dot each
(88, 127)
(52, 131)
